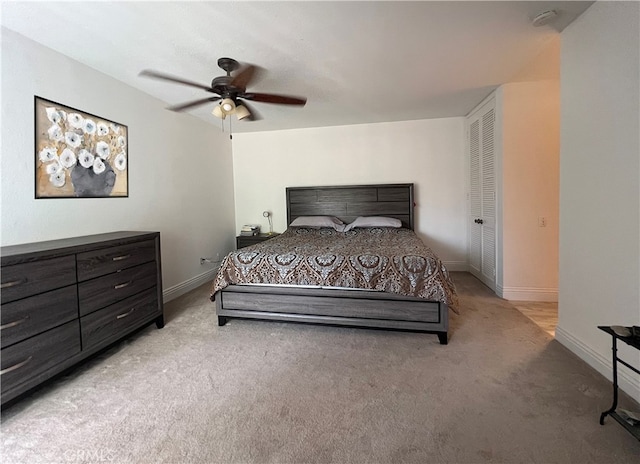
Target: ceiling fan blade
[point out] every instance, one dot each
(255, 116)
(170, 78)
(191, 104)
(273, 98)
(244, 76)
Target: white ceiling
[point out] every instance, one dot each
(356, 62)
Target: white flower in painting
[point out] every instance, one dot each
(114, 127)
(67, 158)
(122, 141)
(58, 179)
(55, 133)
(72, 139)
(102, 129)
(103, 150)
(48, 154)
(54, 167)
(98, 166)
(85, 158)
(121, 162)
(75, 120)
(54, 115)
(89, 126)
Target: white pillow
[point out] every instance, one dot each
(374, 221)
(316, 222)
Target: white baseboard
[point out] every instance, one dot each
(627, 380)
(529, 293)
(456, 266)
(174, 292)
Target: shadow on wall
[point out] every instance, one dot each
(441, 248)
(446, 250)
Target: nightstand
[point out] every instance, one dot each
(247, 240)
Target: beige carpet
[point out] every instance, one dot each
(258, 392)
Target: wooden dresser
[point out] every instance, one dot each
(64, 300)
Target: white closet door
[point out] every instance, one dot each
(475, 199)
(482, 194)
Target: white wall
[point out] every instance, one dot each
(530, 189)
(600, 183)
(429, 153)
(180, 168)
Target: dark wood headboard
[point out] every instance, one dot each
(347, 202)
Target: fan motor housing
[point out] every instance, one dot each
(222, 84)
(222, 81)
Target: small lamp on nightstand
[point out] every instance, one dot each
(267, 214)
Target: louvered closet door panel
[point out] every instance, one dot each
(488, 196)
(482, 194)
(475, 198)
(488, 255)
(488, 166)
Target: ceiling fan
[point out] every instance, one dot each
(231, 92)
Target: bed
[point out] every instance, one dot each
(374, 277)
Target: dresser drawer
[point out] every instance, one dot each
(36, 355)
(103, 291)
(107, 260)
(30, 316)
(23, 280)
(116, 320)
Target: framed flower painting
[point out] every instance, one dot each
(78, 154)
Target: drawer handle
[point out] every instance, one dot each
(120, 258)
(14, 323)
(120, 316)
(126, 284)
(15, 366)
(13, 283)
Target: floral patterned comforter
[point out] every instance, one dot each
(383, 259)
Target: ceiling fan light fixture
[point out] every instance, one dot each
(218, 112)
(227, 105)
(242, 112)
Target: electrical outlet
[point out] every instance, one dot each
(542, 221)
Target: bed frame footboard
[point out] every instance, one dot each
(355, 308)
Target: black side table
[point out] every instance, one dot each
(631, 341)
(247, 240)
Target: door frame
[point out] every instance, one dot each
(492, 100)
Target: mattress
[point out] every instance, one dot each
(392, 260)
